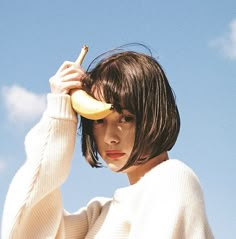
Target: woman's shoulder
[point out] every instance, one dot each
(172, 168)
(175, 177)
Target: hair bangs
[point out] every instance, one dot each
(112, 86)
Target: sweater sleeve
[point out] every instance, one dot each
(172, 206)
(33, 206)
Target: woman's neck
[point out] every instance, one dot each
(135, 173)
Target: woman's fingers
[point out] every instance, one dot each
(71, 70)
(72, 77)
(65, 65)
(68, 77)
(64, 87)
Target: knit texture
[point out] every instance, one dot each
(167, 203)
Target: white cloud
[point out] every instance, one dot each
(21, 104)
(227, 43)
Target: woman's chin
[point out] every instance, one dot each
(113, 167)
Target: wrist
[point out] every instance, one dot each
(59, 106)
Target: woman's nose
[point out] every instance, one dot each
(111, 134)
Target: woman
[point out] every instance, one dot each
(164, 199)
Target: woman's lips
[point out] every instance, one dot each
(114, 154)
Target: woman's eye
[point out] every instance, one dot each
(97, 122)
(127, 119)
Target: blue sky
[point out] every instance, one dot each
(195, 42)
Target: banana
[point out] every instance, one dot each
(83, 103)
(89, 107)
(82, 55)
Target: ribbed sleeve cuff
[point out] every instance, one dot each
(59, 106)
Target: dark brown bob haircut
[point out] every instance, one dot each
(135, 82)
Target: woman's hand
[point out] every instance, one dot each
(67, 77)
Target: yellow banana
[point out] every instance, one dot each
(89, 107)
(86, 105)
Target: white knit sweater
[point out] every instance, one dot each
(166, 203)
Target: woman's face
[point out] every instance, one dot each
(114, 137)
